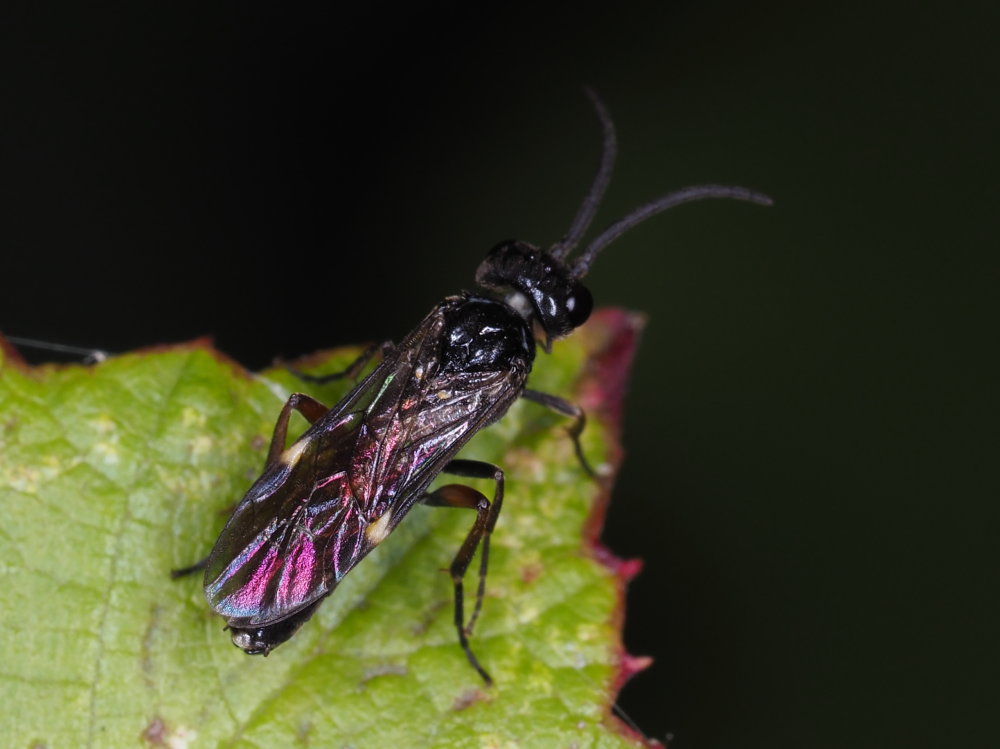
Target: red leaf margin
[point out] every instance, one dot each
(614, 336)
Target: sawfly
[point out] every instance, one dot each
(323, 503)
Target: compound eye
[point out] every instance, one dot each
(579, 305)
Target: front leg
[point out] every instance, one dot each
(564, 407)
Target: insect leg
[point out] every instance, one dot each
(571, 410)
(196, 567)
(457, 495)
(353, 369)
(311, 408)
(477, 469)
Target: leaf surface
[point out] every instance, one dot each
(113, 474)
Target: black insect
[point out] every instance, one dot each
(331, 497)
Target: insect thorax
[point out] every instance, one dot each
(485, 335)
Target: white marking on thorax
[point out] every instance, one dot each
(520, 304)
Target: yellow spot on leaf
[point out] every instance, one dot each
(107, 452)
(103, 424)
(201, 445)
(192, 417)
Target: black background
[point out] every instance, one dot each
(811, 477)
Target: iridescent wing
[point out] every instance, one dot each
(338, 491)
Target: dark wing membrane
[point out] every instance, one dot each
(419, 420)
(396, 461)
(271, 558)
(336, 493)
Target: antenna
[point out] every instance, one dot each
(91, 355)
(588, 209)
(685, 195)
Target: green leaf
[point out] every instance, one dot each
(113, 474)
